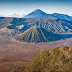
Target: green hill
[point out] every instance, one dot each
(55, 60)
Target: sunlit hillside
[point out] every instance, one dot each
(55, 60)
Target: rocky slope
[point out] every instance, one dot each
(19, 25)
(37, 34)
(52, 25)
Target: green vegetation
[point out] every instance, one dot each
(55, 60)
(19, 69)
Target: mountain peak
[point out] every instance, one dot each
(38, 10)
(36, 14)
(55, 13)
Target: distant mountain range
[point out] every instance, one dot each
(39, 14)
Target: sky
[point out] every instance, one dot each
(8, 7)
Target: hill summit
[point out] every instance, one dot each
(37, 34)
(55, 60)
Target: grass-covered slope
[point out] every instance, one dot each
(55, 60)
(18, 69)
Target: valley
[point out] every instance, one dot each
(15, 53)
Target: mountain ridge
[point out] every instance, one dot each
(19, 25)
(39, 14)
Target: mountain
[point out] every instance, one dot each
(11, 26)
(55, 60)
(1, 18)
(39, 14)
(19, 25)
(37, 34)
(5, 22)
(58, 25)
(62, 16)
(36, 14)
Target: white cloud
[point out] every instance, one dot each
(13, 15)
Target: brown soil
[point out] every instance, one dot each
(7, 66)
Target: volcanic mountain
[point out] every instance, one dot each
(39, 14)
(36, 14)
(62, 16)
(37, 34)
(13, 26)
(58, 26)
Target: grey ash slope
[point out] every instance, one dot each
(58, 26)
(37, 34)
(13, 26)
(5, 22)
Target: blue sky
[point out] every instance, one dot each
(8, 7)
